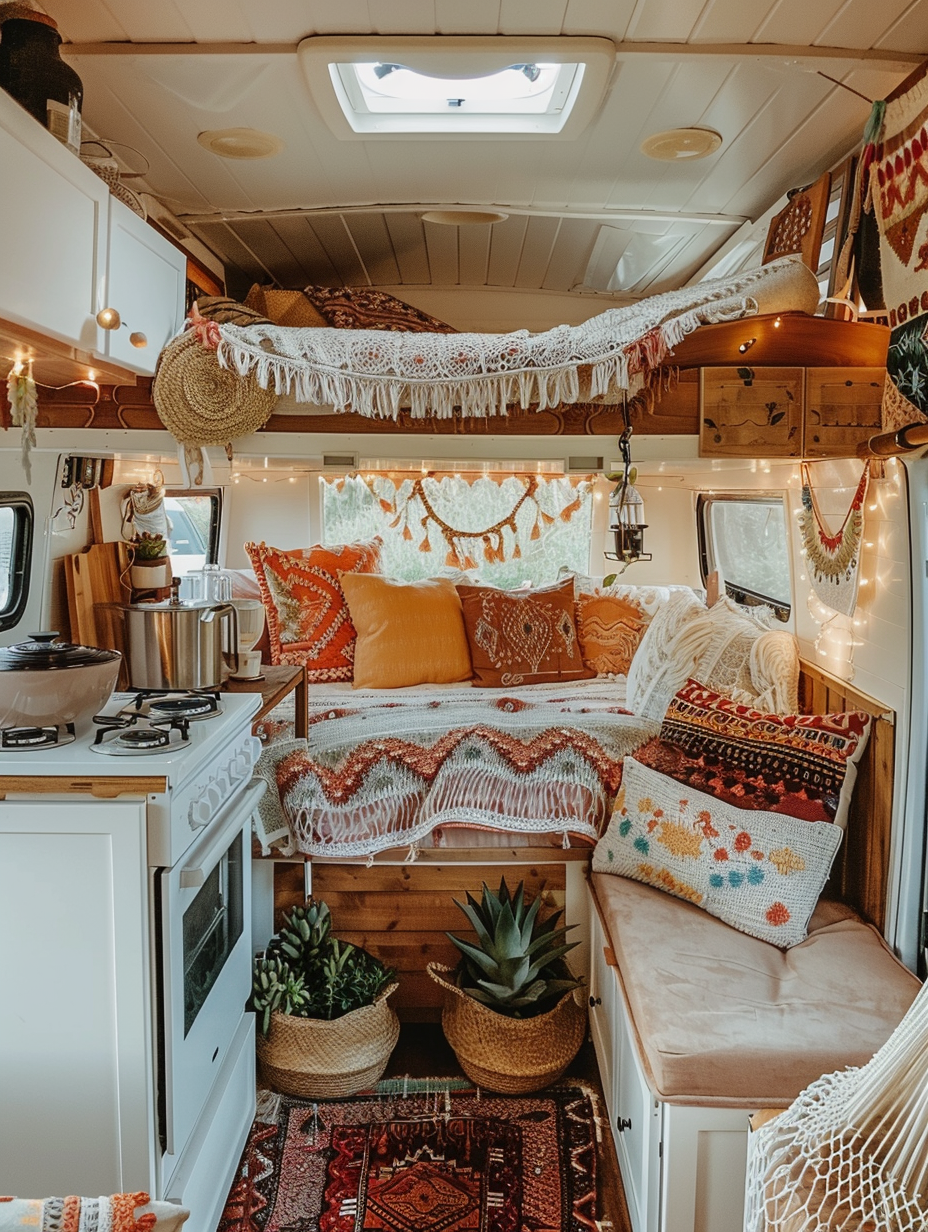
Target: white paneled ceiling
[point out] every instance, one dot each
(591, 213)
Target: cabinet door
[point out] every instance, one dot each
(842, 410)
(603, 992)
(53, 220)
(750, 412)
(75, 1018)
(636, 1128)
(145, 278)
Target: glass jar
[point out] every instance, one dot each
(33, 72)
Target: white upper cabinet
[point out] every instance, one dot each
(68, 248)
(145, 279)
(53, 215)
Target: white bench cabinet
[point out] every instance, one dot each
(683, 1168)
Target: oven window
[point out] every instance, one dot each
(212, 925)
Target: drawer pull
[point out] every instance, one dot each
(623, 1123)
(594, 1001)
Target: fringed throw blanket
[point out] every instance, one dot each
(375, 373)
(383, 769)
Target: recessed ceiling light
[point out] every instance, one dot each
(463, 218)
(240, 143)
(681, 144)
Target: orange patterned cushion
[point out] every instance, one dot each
(408, 632)
(522, 637)
(609, 629)
(307, 618)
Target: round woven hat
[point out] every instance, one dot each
(201, 403)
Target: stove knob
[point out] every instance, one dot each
(243, 764)
(221, 785)
(200, 812)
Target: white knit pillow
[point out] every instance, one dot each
(666, 655)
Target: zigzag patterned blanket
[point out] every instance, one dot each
(386, 769)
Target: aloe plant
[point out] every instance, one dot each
(308, 973)
(517, 968)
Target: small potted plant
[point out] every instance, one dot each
(513, 1013)
(151, 565)
(325, 1029)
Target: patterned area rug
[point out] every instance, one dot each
(447, 1161)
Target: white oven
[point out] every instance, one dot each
(203, 913)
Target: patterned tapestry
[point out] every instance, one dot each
(899, 188)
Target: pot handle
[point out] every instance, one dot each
(209, 614)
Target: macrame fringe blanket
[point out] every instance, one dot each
(376, 373)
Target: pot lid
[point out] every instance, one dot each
(43, 651)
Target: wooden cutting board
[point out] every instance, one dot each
(93, 577)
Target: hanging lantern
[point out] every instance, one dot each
(626, 511)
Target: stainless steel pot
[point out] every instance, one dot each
(44, 682)
(176, 645)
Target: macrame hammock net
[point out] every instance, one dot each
(378, 373)
(851, 1153)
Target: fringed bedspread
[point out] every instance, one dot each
(385, 769)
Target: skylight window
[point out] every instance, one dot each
(478, 87)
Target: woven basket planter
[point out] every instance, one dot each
(510, 1055)
(321, 1059)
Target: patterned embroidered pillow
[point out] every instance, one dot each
(760, 872)
(308, 621)
(364, 308)
(609, 629)
(522, 637)
(803, 766)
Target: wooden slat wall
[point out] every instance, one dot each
(401, 912)
(861, 873)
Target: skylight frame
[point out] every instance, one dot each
(327, 66)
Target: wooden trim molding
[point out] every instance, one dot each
(101, 789)
(860, 876)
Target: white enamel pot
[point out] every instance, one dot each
(45, 682)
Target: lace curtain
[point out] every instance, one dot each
(552, 525)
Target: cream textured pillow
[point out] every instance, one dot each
(666, 656)
(407, 632)
(760, 872)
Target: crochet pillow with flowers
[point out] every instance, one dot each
(760, 872)
(122, 1212)
(308, 622)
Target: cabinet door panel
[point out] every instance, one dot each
(145, 284)
(750, 412)
(75, 1032)
(52, 216)
(636, 1127)
(842, 410)
(602, 1006)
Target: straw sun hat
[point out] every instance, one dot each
(199, 402)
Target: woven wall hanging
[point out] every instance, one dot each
(833, 558)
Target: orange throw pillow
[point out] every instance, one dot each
(307, 619)
(609, 629)
(408, 632)
(522, 637)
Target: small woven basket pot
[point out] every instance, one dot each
(321, 1059)
(510, 1055)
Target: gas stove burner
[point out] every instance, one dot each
(140, 738)
(172, 703)
(24, 738)
(194, 706)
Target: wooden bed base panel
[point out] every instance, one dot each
(860, 876)
(401, 912)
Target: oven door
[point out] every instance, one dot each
(206, 958)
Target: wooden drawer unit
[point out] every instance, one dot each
(749, 412)
(842, 410)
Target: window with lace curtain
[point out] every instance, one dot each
(505, 530)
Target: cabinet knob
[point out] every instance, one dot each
(109, 318)
(138, 340)
(594, 1001)
(623, 1123)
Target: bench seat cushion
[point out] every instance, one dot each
(722, 1018)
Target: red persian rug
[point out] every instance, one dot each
(456, 1161)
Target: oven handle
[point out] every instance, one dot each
(198, 867)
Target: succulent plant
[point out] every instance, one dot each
(149, 547)
(306, 972)
(517, 968)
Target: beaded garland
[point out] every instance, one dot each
(833, 559)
